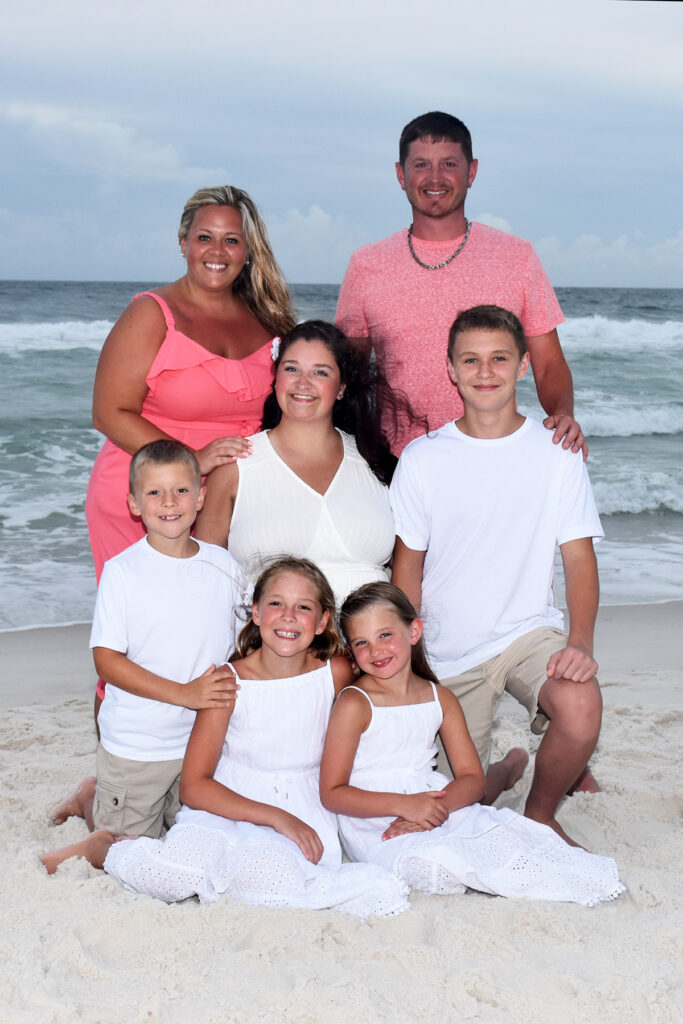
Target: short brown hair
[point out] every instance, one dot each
(487, 318)
(437, 126)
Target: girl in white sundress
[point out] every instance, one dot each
(252, 826)
(394, 810)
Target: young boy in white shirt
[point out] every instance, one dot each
(480, 506)
(165, 618)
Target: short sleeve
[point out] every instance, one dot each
(541, 313)
(350, 313)
(578, 514)
(109, 626)
(408, 504)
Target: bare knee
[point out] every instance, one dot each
(573, 707)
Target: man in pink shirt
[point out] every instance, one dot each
(404, 292)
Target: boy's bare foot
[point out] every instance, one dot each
(503, 775)
(94, 848)
(586, 783)
(78, 805)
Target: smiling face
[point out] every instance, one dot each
(486, 365)
(435, 177)
(167, 498)
(308, 381)
(289, 613)
(215, 247)
(381, 643)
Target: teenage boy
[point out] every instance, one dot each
(164, 619)
(480, 506)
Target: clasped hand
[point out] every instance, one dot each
(423, 811)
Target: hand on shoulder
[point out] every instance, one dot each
(567, 432)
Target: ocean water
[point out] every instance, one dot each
(625, 348)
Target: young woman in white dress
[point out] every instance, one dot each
(396, 811)
(252, 826)
(315, 484)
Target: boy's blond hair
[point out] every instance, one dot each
(162, 453)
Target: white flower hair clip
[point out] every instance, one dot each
(275, 349)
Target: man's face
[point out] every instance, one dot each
(436, 176)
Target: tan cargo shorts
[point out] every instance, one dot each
(519, 670)
(135, 798)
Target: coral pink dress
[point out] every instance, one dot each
(194, 396)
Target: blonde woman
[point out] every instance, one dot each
(191, 360)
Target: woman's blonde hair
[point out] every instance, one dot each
(326, 644)
(261, 283)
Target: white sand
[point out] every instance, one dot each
(77, 947)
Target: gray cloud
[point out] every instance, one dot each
(111, 115)
(102, 147)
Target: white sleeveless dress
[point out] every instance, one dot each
(485, 848)
(348, 531)
(272, 754)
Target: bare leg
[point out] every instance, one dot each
(504, 774)
(575, 713)
(78, 805)
(95, 848)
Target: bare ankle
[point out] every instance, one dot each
(554, 824)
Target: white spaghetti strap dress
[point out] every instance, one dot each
(494, 851)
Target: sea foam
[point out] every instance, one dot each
(18, 339)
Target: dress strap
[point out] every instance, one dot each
(168, 316)
(433, 686)
(352, 687)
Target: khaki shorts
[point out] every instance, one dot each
(520, 670)
(135, 798)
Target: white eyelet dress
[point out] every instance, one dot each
(271, 754)
(494, 851)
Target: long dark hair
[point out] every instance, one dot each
(326, 644)
(367, 405)
(372, 594)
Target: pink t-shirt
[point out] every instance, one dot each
(407, 311)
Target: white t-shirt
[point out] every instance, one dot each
(488, 514)
(174, 617)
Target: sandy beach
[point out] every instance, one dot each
(77, 947)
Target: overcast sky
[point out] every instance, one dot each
(113, 113)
